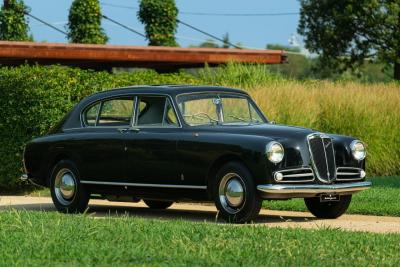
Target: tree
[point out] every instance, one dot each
(295, 49)
(225, 38)
(345, 33)
(13, 23)
(160, 20)
(84, 23)
(298, 66)
(209, 43)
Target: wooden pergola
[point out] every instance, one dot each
(106, 57)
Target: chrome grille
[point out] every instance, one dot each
(349, 174)
(322, 157)
(299, 175)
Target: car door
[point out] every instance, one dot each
(103, 146)
(151, 154)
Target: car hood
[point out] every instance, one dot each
(274, 131)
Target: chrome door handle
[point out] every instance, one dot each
(135, 130)
(122, 130)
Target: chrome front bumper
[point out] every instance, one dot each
(310, 190)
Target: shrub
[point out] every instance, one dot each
(13, 23)
(160, 20)
(84, 23)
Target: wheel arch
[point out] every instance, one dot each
(217, 164)
(54, 159)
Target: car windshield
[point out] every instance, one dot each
(218, 109)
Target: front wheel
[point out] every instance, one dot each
(329, 209)
(235, 194)
(69, 196)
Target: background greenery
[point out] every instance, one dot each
(32, 99)
(345, 33)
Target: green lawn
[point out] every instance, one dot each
(382, 199)
(51, 239)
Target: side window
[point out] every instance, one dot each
(116, 112)
(90, 115)
(155, 111)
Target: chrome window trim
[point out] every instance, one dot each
(145, 185)
(135, 95)
(322, 136)
(133, 118)
(245, 95)
(97, 115)
(296, 175)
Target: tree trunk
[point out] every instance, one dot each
(397, 71)
(6, 3)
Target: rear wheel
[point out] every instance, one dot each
(329, 209)
(68, 195)
(156, 204)
(235, 194)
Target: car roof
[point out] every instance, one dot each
(169, 89)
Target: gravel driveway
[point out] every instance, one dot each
(198, 212)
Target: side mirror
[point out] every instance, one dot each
(272, 122)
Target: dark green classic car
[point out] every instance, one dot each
(173, 143)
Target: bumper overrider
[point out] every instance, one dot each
(285, 191)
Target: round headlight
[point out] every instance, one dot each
(358, 150)
(275, 152)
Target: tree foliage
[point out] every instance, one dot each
(226, 41)
(295, 49)
(160, 20)
(345, 33)
(13, 23)
(84, 23)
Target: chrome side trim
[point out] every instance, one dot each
(314, 188)
(145, 185)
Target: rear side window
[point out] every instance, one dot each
(116, 112)
(91, 113)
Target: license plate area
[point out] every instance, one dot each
(329, 197)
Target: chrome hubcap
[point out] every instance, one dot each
(65, 186)
(232, 193)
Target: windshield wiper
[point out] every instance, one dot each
(202, 115)
(238, 118)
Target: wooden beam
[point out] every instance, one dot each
(14, 53)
